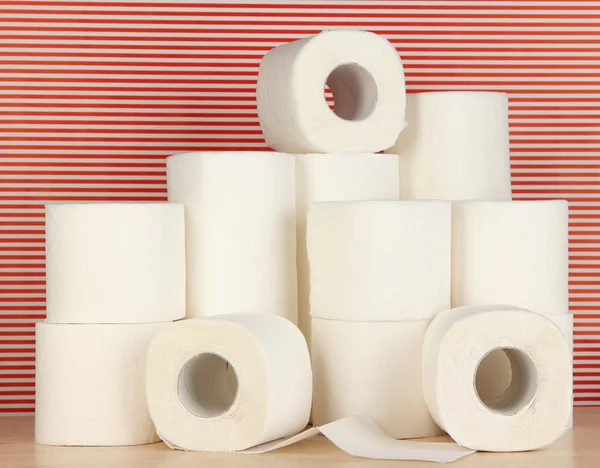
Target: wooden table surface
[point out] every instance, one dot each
(579, 448)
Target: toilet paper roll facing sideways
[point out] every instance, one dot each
(115, 263)
(240, 231)
(90, 384)
(227, 383)
(371, 369)
(455, 147)
(511, 253)
(533, 411)
(379, 260)
(363, 72)
(336, 177)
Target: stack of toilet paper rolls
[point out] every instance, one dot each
(456, 147)
(115, 277)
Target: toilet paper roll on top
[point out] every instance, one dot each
(227, 383)
(336, 177)
(534, 410)
(363, 72)
(240, 222)
(379, 260)
(511, 253)
(455, 147)
(372, 369)
(115, 262)
(90, 384)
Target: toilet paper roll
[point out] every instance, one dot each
(511, 253)
(90, 384)
(336, 177)
(363, 72)
(115, 262)
(455, 147)
(495, 371)
(533, 411)
(371, 369)
(240, 231)
(227, 383)
(379, 260)
(565, 323)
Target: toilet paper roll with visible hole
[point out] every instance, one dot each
(511, 253)
(372, 369)
(534, 410)
(336, 177)
(379, 260)
(495, 371)
(90, 384)
(115, 262)
(363, 72)
(240, 231)
(229, 382)
(455, 147)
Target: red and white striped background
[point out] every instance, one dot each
(95, 94)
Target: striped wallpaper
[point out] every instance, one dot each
(95, 94)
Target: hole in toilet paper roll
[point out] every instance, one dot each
(514, 387)
(208, 385)
(354, 91)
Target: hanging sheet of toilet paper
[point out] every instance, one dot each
(379, 260)
(534, 409)
(115, 263)
(363, 72)
(243, 383)
(511, 253)
(455, 147)
(495, 371)
(336, 177)
(240, 231)
(90, 384)
(372, 369)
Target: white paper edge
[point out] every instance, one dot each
(361, 437)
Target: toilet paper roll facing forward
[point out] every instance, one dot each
(90, 384)
(511, 253)
(533, 411)
(371, 369)
(227, 383)
(363, 72)
(115, 263)
(240, 231)
(455, 147)
(379, 260)
(336, 177)
(495, 371)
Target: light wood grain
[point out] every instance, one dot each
(579, 448)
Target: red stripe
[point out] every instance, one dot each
(320, 26)
(329, 6)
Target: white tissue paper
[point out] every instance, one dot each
(534, 410)
(230, 382)
(373, 369)
(379, 260)
(336, 177)
(363, 72)
(495, 371)
(455, 147)
(511, 253)
(90, 384)
(115, 262)
(238, 383)
(240, 231)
